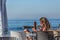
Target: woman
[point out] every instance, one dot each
(28, 34)
(42, 32)
(45, 26)
(44, 23)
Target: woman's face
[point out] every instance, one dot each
(41, 22)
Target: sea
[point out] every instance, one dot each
(18, 25)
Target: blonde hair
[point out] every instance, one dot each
(46, 22)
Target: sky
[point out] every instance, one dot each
(31, 9)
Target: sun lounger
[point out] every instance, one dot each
(18, 35)
(23, 36)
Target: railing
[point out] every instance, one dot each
(8, 38)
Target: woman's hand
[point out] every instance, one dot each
(44, 29)
(34, 29)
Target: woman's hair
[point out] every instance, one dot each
(28, 30)
(45, 21)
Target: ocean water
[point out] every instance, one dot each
(19, 24)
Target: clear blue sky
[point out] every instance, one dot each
(30, 9)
